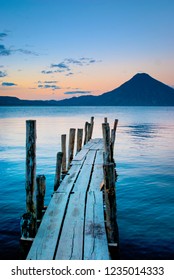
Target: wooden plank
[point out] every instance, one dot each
(70, 245)
(44, 244)
(89, 144)
(97, 144)
(87, 156)
(95, 240)
(80, 156)
(68, 181)
(90, 157)
(99, 157)
(45, 241)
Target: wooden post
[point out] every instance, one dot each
(30, 164)
(28, 220)
(110, 201)
(92, 126)
(106, 139)
(58, 170)
(86, 131)
(63, 147)
(89, 125)
(115, 124)
(71, 145)
(113, 135)
(40, 195)
(105, 120)
(79, 139)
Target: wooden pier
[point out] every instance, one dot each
(80, 220)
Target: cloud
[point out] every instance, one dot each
(2, 35)
(4, 51)
(83, 61)
(60, 65)
(78, 92)
(67, 63)
(48, 85)
(3, 74)
(47, 82)
(27, 52)
(8, 84)
(70, 74)
(47, 72)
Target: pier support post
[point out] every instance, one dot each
(71, 145)
(91, 127)
(113, 136)
(79, 139)
(30, 164)
(63, 148)
(86, 132)
(28, 220)
(40, 195)
(110, 201)
(58, 170)
(107, 141)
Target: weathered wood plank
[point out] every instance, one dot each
(70, 245)
(90, 157)
(99, 158)
(80, 156)
(85, 154)
(68, 182)
(46, 239)
(45, 242)
(95, 240)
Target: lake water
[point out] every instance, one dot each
(144, 154)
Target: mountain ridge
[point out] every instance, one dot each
(140, 90)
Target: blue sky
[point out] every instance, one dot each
(54, 49)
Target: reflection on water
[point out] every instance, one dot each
(144, 157)
(143, 131)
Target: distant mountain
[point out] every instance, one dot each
(141, 90)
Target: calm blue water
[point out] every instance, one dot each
(145, 165)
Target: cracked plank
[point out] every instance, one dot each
(45, 242)
(71, 240)
(95, 240)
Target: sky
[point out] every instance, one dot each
(57, 49)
